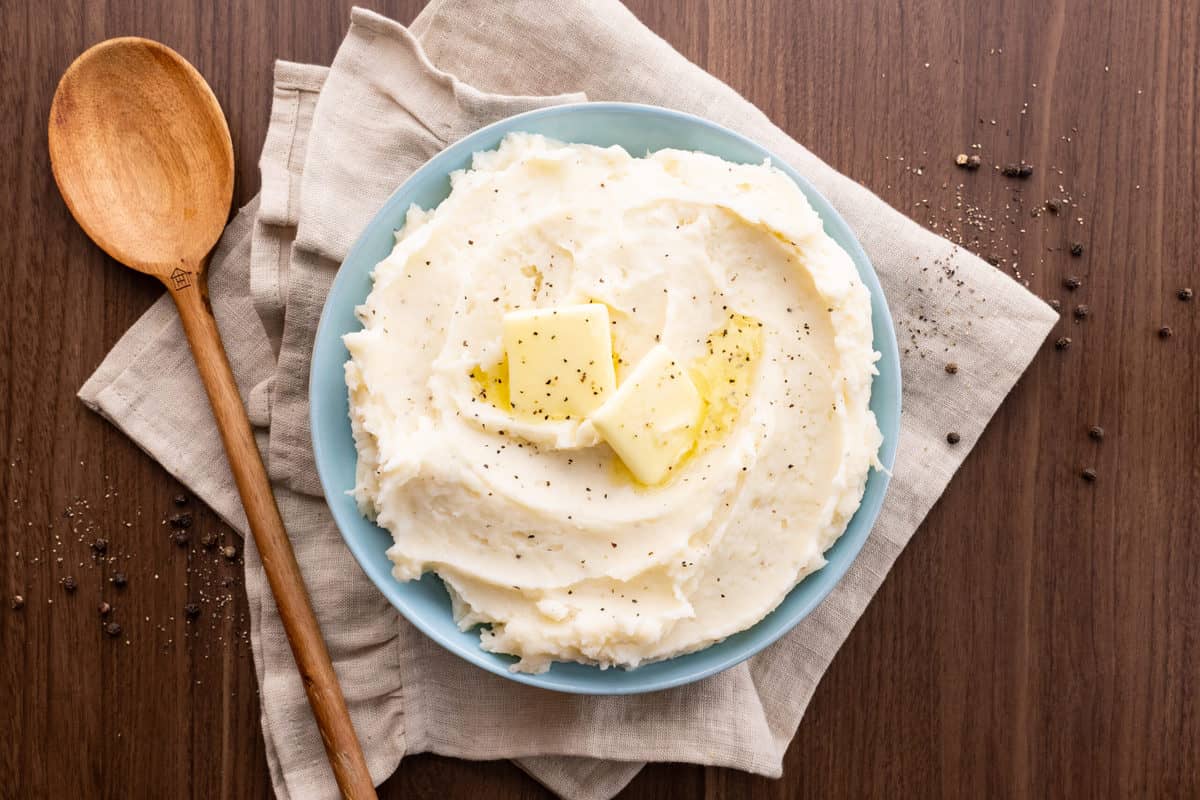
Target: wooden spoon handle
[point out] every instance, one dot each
(274, 548)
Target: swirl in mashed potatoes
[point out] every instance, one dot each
(538, 530)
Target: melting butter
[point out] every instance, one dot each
(491, 385)
(559, 360)
(651, 419)
(725, 377)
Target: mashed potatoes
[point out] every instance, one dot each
(537, 528)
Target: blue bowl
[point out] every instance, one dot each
(639, 129)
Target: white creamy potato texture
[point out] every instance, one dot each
(722, 276)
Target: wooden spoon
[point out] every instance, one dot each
(143, 158)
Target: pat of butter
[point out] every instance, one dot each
(651, 420)
(560, 363)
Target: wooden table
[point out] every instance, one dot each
(1039, 637)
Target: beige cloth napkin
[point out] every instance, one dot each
(340, 140)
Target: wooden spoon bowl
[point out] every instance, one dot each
(142, 155)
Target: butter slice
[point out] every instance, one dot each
(652, 419)
(560, 363)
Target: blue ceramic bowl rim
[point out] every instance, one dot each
(729, 652)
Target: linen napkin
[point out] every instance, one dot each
(340, 140)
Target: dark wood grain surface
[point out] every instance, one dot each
(1039, 637)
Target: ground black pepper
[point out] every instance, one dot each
(181, 538)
